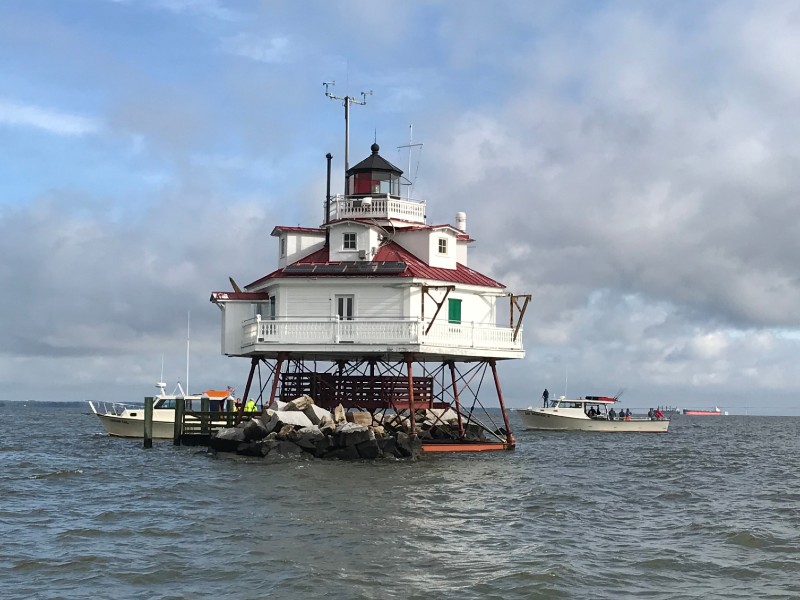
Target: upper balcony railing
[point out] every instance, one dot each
(379, 206)
(327, 331)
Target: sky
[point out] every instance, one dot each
(635, 166)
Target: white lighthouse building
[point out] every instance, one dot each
(379, 311)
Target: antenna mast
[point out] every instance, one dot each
(188, 330)
(409, 146)
(347, 101)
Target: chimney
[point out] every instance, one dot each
(461, 221)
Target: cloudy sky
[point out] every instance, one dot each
(633, 165)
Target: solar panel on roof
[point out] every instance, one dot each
(348, 267)
(329, 269)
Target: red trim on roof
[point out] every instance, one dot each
(282, 228)
(249, 296)
(391, 252)
(460, 235)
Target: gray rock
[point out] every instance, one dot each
(287, 449)
(306, 437)
(408, 447)
(388, 446)
(250, 449)
(279, 418)
(346, 453)
(369, 449)
(254, 430)
(285, 432)
(230, 433)
(350, 434)
(299, 404)
(323, 446)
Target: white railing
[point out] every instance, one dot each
(377, 207)
(332, 330)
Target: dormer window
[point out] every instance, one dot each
(442, 245)
(349, 241)
(283, 246)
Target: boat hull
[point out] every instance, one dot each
(130, 423)
(702, 413)
(133, 427)
(541, 420)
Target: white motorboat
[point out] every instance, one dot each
(124, 420)
(586, 414)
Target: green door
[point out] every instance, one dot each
(454, 310)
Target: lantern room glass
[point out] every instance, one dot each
(374, 182)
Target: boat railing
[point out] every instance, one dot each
(102, 407)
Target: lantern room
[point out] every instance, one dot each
(373, 175)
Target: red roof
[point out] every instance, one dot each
(390, 252)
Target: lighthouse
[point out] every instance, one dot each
(378, 311)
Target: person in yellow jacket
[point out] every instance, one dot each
(250, 406)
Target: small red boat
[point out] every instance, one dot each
(716, 412)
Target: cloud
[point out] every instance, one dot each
(634, 167)
(45, 119)
(205, 8)
(267, 50)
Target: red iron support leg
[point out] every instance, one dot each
(275, 378)
(253, 364)
(509, 435)
(409, 363)
(455, 396)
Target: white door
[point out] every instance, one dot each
(345, 310)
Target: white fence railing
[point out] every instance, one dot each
(333, 330)
(377, 207)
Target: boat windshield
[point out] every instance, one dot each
(568, 404)
(169, 404)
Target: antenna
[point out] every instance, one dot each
(161, 385)
(409, 146)
(347, 101)
(188, 329)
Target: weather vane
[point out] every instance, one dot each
(347, 101)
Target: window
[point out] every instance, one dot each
(454, 310)
(349, 241)
(283, 246)
(344, 307)
(266, 309)
(442, 245)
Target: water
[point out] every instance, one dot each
(710, 510)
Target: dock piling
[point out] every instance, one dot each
(180, 405)
(205, 410)
(148, 422)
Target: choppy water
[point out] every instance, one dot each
(710, 510)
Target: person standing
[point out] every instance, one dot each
(545, 397)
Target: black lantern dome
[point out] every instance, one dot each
(374, 175)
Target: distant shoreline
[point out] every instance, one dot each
(56, 403)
